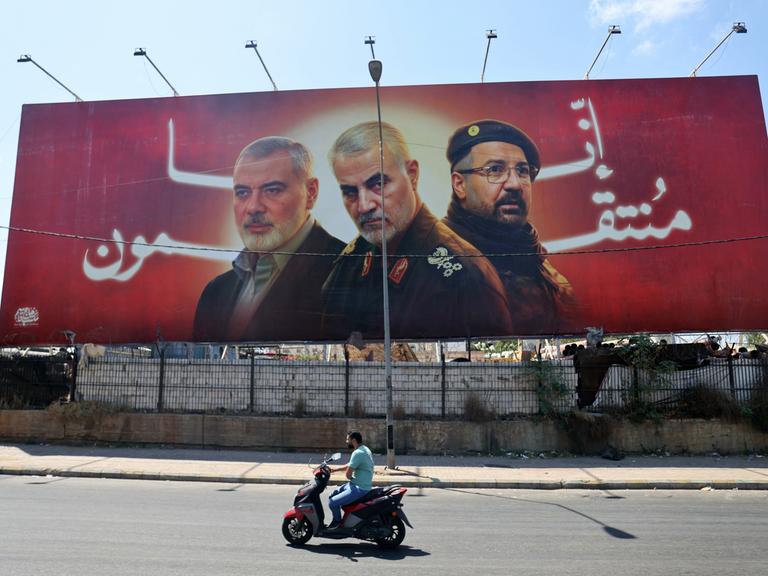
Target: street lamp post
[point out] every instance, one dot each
(375, 68)
(27, 58)
(738, 27)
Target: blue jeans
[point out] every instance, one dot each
(342, 496)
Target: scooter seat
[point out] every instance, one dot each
(373, 494)
(370, 495)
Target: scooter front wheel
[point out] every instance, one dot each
(297, 532)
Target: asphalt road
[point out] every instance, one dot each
(63, 526)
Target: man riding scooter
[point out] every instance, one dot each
(359, 471)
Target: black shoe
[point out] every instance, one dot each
(335, 525)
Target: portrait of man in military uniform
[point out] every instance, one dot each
(273, 289)
(439, 285)
(493, 167)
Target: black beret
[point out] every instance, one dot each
(479, 131)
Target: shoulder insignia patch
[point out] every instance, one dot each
(398, 270)
(367, 261)
(444, 262)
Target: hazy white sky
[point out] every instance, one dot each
(199, 46)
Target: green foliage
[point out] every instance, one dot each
(551, 388)
(649, 373)
(496, 346)
(755, 338)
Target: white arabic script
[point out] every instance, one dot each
(141, 250)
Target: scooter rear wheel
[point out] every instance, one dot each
(297, 532)
(395, 537)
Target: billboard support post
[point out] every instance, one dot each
(251, 402)
(161, 378)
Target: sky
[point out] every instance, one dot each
(200, 48)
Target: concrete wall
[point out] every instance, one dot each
(412, 436)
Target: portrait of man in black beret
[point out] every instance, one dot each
(493, 167)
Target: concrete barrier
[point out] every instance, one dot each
(412, 436)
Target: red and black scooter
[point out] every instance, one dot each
(378, 516)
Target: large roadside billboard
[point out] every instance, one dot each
(512, 209)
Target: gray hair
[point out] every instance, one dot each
(365, 136)
(269, 145)
(464, 164)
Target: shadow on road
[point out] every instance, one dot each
(610, 530)
(354, 551)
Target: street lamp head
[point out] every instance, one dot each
(615, 29)
(374, 68)
(139, 52)
(491, 34)
(739, 28)
(24, 58)
(251, 44)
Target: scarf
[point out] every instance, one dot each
(491, 237)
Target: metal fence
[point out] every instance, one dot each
(473, 390)
(469, 390)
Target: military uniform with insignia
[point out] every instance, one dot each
(439, 287)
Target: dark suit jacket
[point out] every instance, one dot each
(290, 311)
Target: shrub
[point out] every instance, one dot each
(705, 402)
(475, 409)
(758, 408)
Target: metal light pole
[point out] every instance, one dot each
(738, 27)
(28, 58)
(490, 34)
(252, 44)
(611, 31)
(143, 52)
(374, 68)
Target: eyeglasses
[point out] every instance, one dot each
(498, 173)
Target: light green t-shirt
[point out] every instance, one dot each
(361, 463)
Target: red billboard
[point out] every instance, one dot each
(511, 209)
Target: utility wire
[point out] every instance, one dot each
(492, 255)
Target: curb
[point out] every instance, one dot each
(409, 483)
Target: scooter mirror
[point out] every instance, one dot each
(336, 456)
